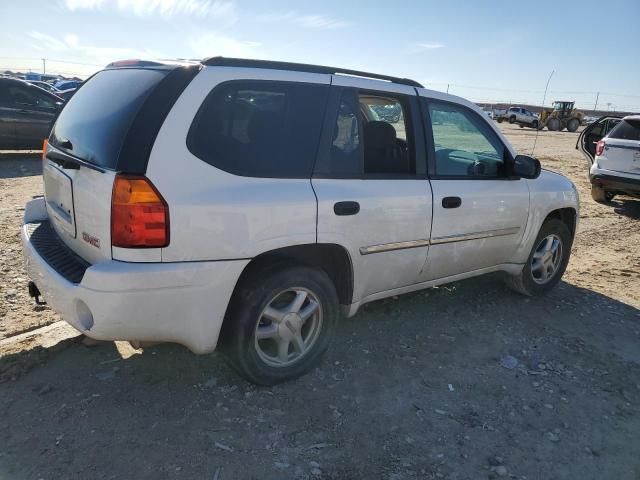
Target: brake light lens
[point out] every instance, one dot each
(139, 214)
(600, 147)
(45, 145)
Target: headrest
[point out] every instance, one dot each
(379, 134)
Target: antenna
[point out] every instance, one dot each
(544, 98)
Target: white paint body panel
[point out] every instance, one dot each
(170, 302)
(487, 206)
(90, 191)
(390, 211)
(214, 214)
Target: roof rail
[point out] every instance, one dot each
(301, 67)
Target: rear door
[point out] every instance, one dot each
(479, 214)
(595, 132)
(370, 181)
(622, 147)
(87, 147)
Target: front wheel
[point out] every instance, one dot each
(547, 261)
(280, 323)
(512, 119)
(573, 124)
(534, 124)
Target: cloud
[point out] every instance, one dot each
(307, 21)
(165, 8)
(71, 45)
(428, 46)
(211, 44)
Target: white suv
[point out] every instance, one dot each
(616, 158)
(245, 203)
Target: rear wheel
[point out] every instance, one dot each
(554, 124)
(547, 261)
(280, 323)
(601, 195)
(522, 125)
(573, 124)
(500, 120)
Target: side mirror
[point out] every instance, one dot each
(525, 166)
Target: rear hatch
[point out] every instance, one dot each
(107, 127)
(622, 148)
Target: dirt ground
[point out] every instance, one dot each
(466, 381)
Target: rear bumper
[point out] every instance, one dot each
(614, 181)
(159, 302)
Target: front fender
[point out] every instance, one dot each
(549, 192)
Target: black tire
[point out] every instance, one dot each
(554, 124)
(534, 124)
(252, 296)
(521, 125)
(512, 119)
(573, 124)
(500, 120)
(524, 282)
(601, 195)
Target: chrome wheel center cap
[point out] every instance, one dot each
(290, 325)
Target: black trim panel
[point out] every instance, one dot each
(52, 249)
(142, 134)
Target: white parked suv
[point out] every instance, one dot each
(615, 167)
(245, 204)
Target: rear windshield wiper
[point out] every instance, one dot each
(69, 161)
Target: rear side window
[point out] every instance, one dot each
(626, 130)
(97, 118)
(260, 128)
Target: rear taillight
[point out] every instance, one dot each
(45, 145)
(139, 214)
(600, 147)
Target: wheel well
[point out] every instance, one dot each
(566, 215)
(333, 259)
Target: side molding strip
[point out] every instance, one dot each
(475, 236)
(388, 247)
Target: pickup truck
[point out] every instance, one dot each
(519, 115)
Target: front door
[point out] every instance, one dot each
(370, 181)
(479, 214)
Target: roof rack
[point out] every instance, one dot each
(302, 67)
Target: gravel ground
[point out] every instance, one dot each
(466, 381)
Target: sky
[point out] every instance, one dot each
(483, 50)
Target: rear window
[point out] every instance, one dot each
(626, 130)
(96, 119)
(260, 128)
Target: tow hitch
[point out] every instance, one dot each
(35, 294)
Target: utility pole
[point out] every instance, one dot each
(595, 109)
(44, 66)
(447, 88)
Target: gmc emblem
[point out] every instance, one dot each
(91, 240)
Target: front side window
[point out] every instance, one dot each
(464, 144)
(260, 128)
(27, 96)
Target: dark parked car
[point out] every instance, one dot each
(67, 84)
(44, 85)
(26, 114)
(66, 94)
